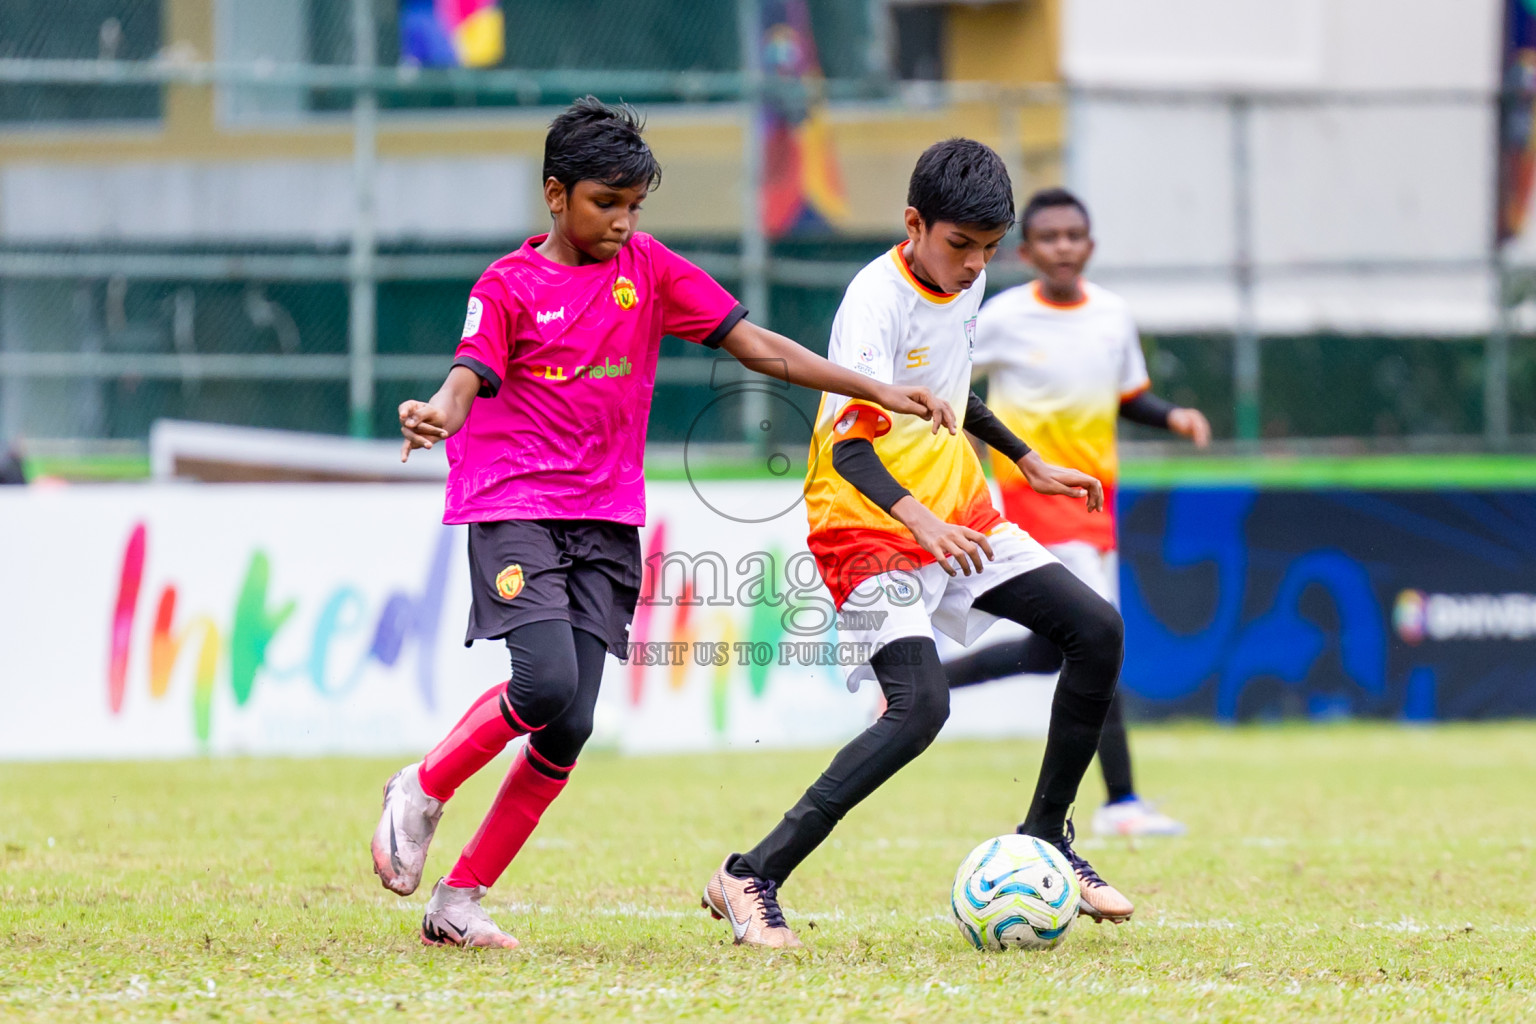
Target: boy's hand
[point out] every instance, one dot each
(1045, 478)
(422, 424)
(919, 402)
(1191, 423)
(940, 539)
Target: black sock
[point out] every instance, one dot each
(1033, 653)
(1115, 754)
(917, 703)
(1087, 630)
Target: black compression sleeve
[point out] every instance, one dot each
(1147, 409)
(989, 430)
(855, 461)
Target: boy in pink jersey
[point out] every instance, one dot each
(544, 413)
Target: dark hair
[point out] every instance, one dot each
(961, 181)
(592, 141)
(1046, 199)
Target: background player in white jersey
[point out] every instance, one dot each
(907, 540)
(1063, 361)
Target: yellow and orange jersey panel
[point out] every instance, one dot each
(892, 328)
(1056, 377)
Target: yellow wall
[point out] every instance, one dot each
(1012, 43)
(1016, 42)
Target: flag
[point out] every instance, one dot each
(1517, 123)
(802, 184)
(452, 33)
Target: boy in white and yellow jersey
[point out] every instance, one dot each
(1063, 361)
(907, 540)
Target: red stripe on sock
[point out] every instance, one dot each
(546, 762)
(506, 706)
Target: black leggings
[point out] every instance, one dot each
(1049, 601)
(1035, 654)
(556, 673)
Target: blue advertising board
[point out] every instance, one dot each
(1248, 604)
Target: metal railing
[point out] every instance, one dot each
(363, 267)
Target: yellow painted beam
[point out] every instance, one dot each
(700, 148)
(189, 35)
(1016, 42)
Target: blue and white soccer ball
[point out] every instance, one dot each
(1015, 891)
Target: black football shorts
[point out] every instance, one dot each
(583, 571)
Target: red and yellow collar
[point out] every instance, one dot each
(906, 271)
(1035, 290)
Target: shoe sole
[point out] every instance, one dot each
(460, 945)
(1099, 918)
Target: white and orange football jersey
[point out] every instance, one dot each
(892, 328)
(1057, 375)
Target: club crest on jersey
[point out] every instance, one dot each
(970, 335)
(900, 591)
(509, 582)
(624, 293)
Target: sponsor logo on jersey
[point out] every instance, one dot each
(472, 318)
(918, 358)
(593, 371)
(1418, 616)
(624, 293)
(509, 582)
(552, 315)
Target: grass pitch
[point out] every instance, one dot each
(1333, 874)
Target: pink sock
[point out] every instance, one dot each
(480, 735)
(524, 795)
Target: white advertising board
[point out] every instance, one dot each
(174, 620)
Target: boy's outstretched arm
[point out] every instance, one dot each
(1153, 411)
(854, 459)
(1043, 477)
(777, 356)
(426, 423)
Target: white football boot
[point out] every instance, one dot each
(455, 918)
(1134, 817)
(405, 831)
